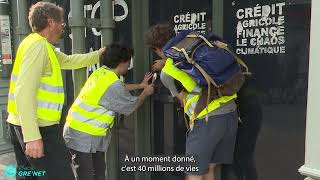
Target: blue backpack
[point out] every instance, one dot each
(209, 61)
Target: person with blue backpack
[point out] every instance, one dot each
(213, 124)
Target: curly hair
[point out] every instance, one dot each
(117, 53)
(40, 12)
(158, 35)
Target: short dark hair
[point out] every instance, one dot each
(115, 54)
(40, 12)
(158, 35)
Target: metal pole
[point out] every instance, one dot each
(107, 21)
(140, 24)
(5, 63)
(5, 70)
(311, 168)
(107, 26)
(23, 24)
(217, 17)
(77, 26)
(217, 27)
(15, 35)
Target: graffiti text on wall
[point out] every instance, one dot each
(190, 21)
(93, 9)
(261, 30)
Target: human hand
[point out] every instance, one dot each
(34, 149)
(101, 51)
(146, 79)
(158, 64)
(148, 90)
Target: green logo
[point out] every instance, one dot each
(10, 171)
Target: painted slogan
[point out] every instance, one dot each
(190, 21)
(261, 29)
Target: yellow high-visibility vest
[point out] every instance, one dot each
(85, 114)
(192, 98)
(50, 95)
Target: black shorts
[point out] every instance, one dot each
(212, 141)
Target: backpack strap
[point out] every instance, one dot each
(202, 37)
(191, 61)
(240, 61)
(206, 75)
(202, 71)
(184, 53)
(223, 46)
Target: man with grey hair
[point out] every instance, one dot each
(36, 95)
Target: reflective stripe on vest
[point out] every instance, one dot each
(85, 114)
(192, 101)
(50, 94)
(43, 86)
(42, 104)
(189, 84)
(92, 122)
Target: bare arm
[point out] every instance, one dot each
(143, 84)
(145, 93)
(118, 99)
(131, 87)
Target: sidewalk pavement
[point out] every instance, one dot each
(6, 159)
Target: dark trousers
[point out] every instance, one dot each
(89, 166)
(243, 167)
(56, 161)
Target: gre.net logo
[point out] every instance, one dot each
(10, 171)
